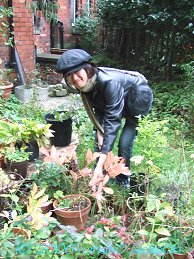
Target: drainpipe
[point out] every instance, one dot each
(14, 61)
(19, 67)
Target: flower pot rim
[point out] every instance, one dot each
(8, 84)
(55, 203)
(49, 117)
(22, 231)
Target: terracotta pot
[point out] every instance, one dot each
(7, 88)
(177, 256)
(19, 168)
(73, 218)
(47, 207)
(21, 231)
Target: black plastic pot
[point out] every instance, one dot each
(18, 168)
(62, 131)
(32, 147)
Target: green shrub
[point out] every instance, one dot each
(87, 26)
(151, 139)
(53, 177)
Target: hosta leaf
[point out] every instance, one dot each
(151, 220)
(67, 257)
(162, 231)
(143, 232)
(39, 194)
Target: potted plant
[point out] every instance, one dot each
(17, 161)
(25, 134)
(5, 85)
(46, 176)
(61, 124)
(41, 87)
(72, 209)
(33, 221)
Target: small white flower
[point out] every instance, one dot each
(137, 159)
(192, 156)
(149, 162)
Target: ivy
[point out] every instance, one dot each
(49, 8)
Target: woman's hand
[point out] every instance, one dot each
(98, 172)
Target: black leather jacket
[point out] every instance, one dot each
(118, 94)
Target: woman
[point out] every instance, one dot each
(112, 94)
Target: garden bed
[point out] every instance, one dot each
(123, 223)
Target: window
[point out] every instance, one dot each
(76, 8)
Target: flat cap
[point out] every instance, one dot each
(72, 60)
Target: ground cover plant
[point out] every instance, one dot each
(153, 219)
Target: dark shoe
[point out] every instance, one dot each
(125, 183)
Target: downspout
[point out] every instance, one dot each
(19, 67)
(14, 61)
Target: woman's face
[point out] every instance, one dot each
(79, 79)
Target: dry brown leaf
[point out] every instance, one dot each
(74, 175)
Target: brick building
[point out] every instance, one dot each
(33, 34)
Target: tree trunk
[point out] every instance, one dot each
(170, 54)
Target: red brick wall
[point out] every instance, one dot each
(24, 36)
(65, 16)
(42, 40)
(26, 40)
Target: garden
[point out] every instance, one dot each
(53, 211)
(48, 207)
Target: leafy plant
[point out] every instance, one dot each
(63, 112)
(34, 219)
(13, 110)
(61, 116)
(47, 175)
(12, 132)
(17, 155)
(151, 139)
(49, 8)
(112, 167)
(70, 203)
(150, 223)
(106, 238)
(4, 74)
(174, 102)
(87, 26)
(6, 237)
